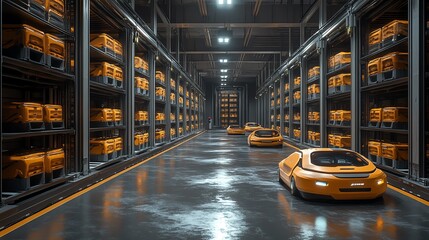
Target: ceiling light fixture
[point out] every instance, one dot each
(223, 40)
(223, 60)
(223, 70)
(221, 2)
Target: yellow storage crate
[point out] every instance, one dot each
(395, 114)
(103, 42)
(145, 84)
(172, 117)
(172, 84)
(272, 103)
(173, 132)
(313, 72)
(54, 46)
(23, 165)
(103, 72)
(297, 117)
(146, 138)
(180, 117)
(286, 100)
(117, 116)
(395, 151)
(54, 164)
(278, 102)
(297, 133)
(160, 76)
(310, 135)
(22, 116)
(118, 146)
(159, 135)
(145, 66)
(297, 96)
(342, 141)
(53, 116)
(297, 81)
(394, 29)
(316, 137)
(331, 63)
(138, 63)
(331, 139)
(313, 89)
(374, 39)
(331, 85)
(343, 79)
(181, 91)
(332, 115)
(160, 93)
(138, 141)
(343, 117)
(286, 116)
(119, 76)
(342, 58)
(394, 61)
(118, 48)
(23, 42)
(286, 131)
(375, 117)
(173, 98)
(374, 66)
(101, 117)
(142, 116)
(101, 149)
(160, 117)
(374, 148)
(23, 35)
(287, 87)
(56, 6)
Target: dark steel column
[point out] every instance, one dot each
(303, 107)
(282, 104)
(167, 110)
(130, 97)
(416, 88)
(355, 106)
(151, 60)
(82, 85)
(323, 93)
(153, 17)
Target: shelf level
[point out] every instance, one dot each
(8, 136)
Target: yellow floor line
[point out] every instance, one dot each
(420, 200)
(71, 197)
(390, 186)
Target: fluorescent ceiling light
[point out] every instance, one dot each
(221, 2)
(224, 70)
(223, 60)
(223, 39)
(223, 76)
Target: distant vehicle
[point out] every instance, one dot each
(265, 137)
(252, 126)
(235, 130)
(327, 173)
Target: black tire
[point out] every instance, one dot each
(293, 190)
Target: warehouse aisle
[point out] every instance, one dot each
(215, 187)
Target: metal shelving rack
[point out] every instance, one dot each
(348, 31)
(77, 90)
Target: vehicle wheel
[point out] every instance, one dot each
(293, 190)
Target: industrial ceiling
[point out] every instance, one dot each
(262, 33)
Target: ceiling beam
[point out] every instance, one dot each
(236, 25)
(229, 52)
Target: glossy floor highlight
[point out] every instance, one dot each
(216, 187)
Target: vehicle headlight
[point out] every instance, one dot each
(322, 184)
(380, 181)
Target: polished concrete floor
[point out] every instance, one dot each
(215, 187)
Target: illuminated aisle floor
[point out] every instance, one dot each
(215, 187)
